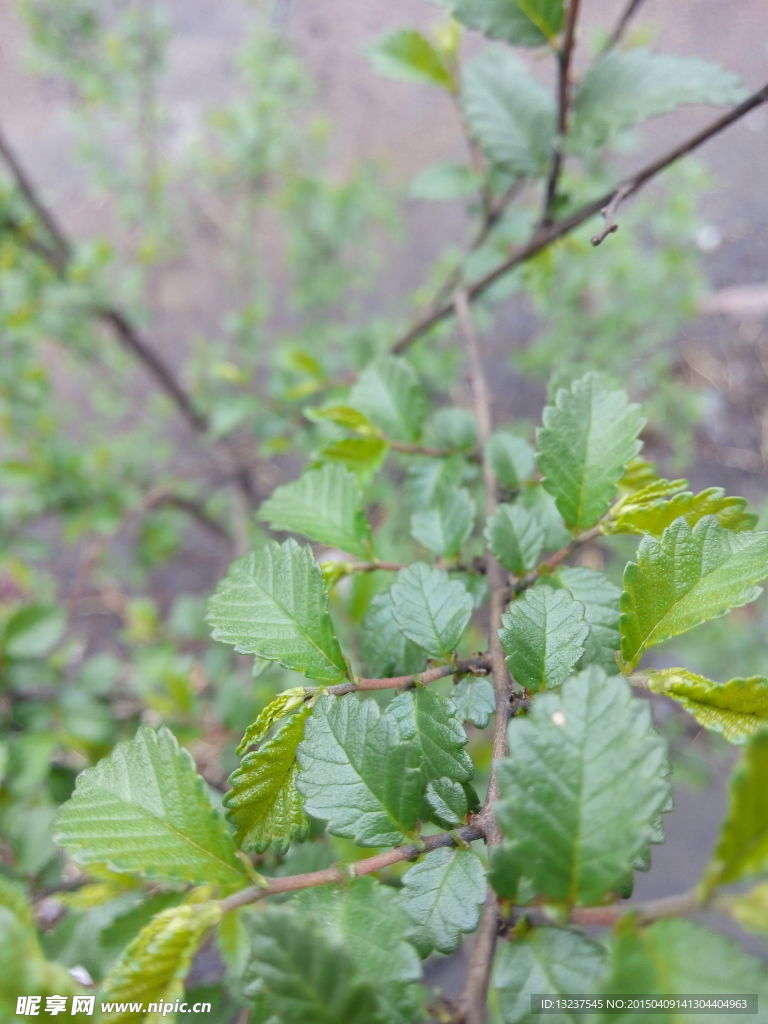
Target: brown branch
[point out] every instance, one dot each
(340, 874)
(608, 214)
(564, 56)
(550, 564)
(633, 6)
(680, 904)
(474, 994)
(545, 236)
(477, 666)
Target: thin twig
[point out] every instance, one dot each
(633, 6)
(473, 998)
(340, 874)
(608, 214)
(480, 665)
(550, 564)
(545, 236)
(564, 56)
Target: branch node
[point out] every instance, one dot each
(608, 212)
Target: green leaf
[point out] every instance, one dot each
(601, 600)
(443, 894)
(742, 849)
(367, 921)
(409, 55)
(145, 810)
(357, 774)
(685, 578)
(749, 908)
(676, 958)
(550, 961)
(510, 116)
(651, 514)
(445, 181)
(282, 705)
(582, 788)
(452, 429)
(324, 505)
(542, 505)
(519, 22)
(296, 975)
(737, 709)
(516, 537)
(263, 803)
(389, 393)
(447, 802)
(33, 631)
(345, 416)
(361, 455)
(273, 603)
(543, 637)
(625, 87)
(428, 722)
(475, 701)
(431, 609)
(153, 967)
(446, 526)
(429, 479)
(589, 436)
(511, 458)
(384, 649)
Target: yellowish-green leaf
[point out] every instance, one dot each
(347, 417)
(742, 849)
(749, 908)
(282, 705)
(737, 709)
(684, 578)
(410, 55)
(154, 965)
(646, 512)
(263, 804)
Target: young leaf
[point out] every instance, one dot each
(366, 920)
(677, 958)
(431, 609)
(144, 809)
(389, 393)
(519, 22)
(750, 908)
(384, 649)
(625, 87)
(601, 600)
(589, 436)
(510, 116)
(153, 967)
(475, 701)
(516, 537)
(282, 705)
(273, 603)
(323, 505)
(549, 960)
(296, 975)
(263, 803)
(357, 774)
(737, 709)
(361, 455)
(511, 458)
(685, 578)
(582, 788)
(543, 637)
(443, 894)
(645, 514)
(409, 55)
(446, 526)
(428, 722)
(742, 849)
(344, 416)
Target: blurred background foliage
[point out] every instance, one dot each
(119, 509)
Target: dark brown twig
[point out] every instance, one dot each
(564, 56)
(608, 214)
(633, 6)
(545, 236)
